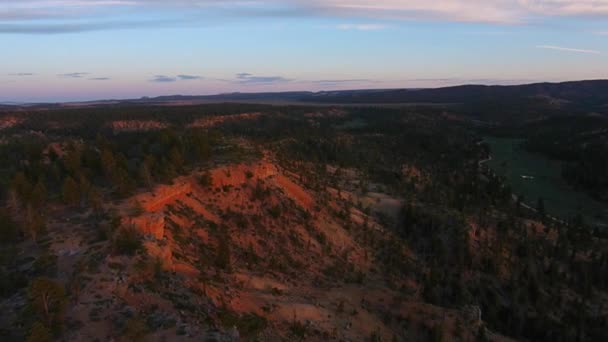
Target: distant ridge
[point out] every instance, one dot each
(484, 102)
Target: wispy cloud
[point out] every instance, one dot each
(163, 79)
(567, 49)
(362, 27)
(189, 77)
(170, 79)
(22, 74)
(77, 27)
(99, 79)
(32, 16)
(74, 74)
(489, 11)
(247, 78)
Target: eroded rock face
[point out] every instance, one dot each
(149, 224)
(163, 195)
(136, 125)
(163, 253)
(216, 120)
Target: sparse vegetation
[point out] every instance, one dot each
(380, 214)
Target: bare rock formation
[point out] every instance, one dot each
(163, 195)
(162, 253)
(149, 224)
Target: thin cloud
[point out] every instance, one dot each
(78, 27)
(170, 79)
(567, 49)
(247, 78)
(163, 79)
(22, 74)
(480, 11)
(99, 79)
(74, 75)
(31, 16)
(189, 77)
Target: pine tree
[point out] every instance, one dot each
(223, 251)
(39, 194)
(145, 175)
(8, 228)
(71, 191)
(176, 159)
(95, 199)
(108, 163)
(39, 333)
(22, 187)
(48, 300)
(34, 223)
(540, 207)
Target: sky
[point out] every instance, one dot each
(73, 50)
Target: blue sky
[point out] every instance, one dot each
(55, 50)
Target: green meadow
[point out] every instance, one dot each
(535, 176)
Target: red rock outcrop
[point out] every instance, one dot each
(216, 120)
(163, 195)
(149, 224)
(136, 125)
(163, 253)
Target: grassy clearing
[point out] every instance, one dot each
(513, 162)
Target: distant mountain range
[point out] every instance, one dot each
(493, 103)
(589, 92)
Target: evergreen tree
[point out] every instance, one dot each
(540, 207)
(95, 198)
(176, 159)
(39, 194)
(34, 223)
(145, 175)
(223, 250)
(108, 163)
(39, 333)
(70, 192)
(48, 300)
(22, 187)
(8, 228)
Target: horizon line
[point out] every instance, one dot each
(147, 97)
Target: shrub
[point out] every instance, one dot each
(48, 300)
(249, 324)
(46, 264)
(205, 180)
(135, 329)
(128, 240)
(223, 251)
(9, 231)
(298, 329)
(70, 192)
(275, 211)
(39, 333)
